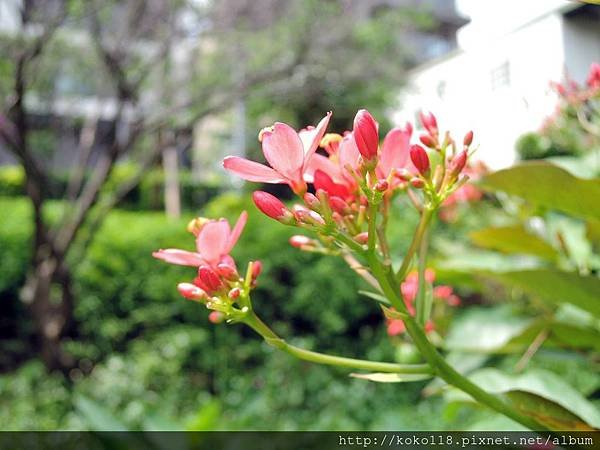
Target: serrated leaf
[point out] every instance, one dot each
(513, 239)
(549, 186)
(381, 377)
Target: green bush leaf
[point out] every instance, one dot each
(546, 185)
(557, 287)
(539, 394)
(485, 330)
(513, 239)
(97, 416)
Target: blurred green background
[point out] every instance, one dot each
(132, 354)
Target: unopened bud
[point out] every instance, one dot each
(339, 205)
(234, 293)
(458, 163)
(428, 141)
(429, 122)
(417, 183)
(402, 174)
(468, 140)
(191, 292)
(299, 241)
(256, 269)
(362, 238)
(307, 216)
(311, 201)
(381, 186)
(216, 317)
(366, 134)
(227, 271)
(272, 207)
(419, 158)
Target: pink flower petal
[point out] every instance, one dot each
(237, 230)
(179, 257)
(212, 240)
(252, 171)
(348, 152)
(320, 162)
(283, 149)
(394, 151)
(312, 138)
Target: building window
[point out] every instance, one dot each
(500, 76)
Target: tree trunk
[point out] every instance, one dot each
(48, 292)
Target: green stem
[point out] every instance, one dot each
(372, 227)
(320, 358)
(437, 361)
(422, 312)
(426, 216)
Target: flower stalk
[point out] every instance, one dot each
(253, 321)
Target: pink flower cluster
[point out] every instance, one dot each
(348, 166)
(217, 283)
(409, 289)
(573, 93)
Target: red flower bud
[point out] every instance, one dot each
(417, 183)
(381, 186)
(339, 205)
(429, 122)
(366, 135)
(311, 201)
(299, 240)
(271, 206)
(419, 158)
(234, 293)
(209, 278)
(468, 138)
(428, 141)
(362, 238)
(227, 271)
(402, 174)
(191, 292)
(256, 269)
(458, 163)
(216, 317)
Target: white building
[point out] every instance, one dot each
(498, 82)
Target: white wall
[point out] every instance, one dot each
(459, 89)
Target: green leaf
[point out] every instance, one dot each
(485, 330)
(375, 296)
(98, 417)
(576, 336)
(207, 417)
(469, 260)
(556, 286)
(546, 185)
(540, 394)
(381, 377)
(513, 239)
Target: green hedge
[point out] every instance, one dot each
(152, 354)
(148, 195)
